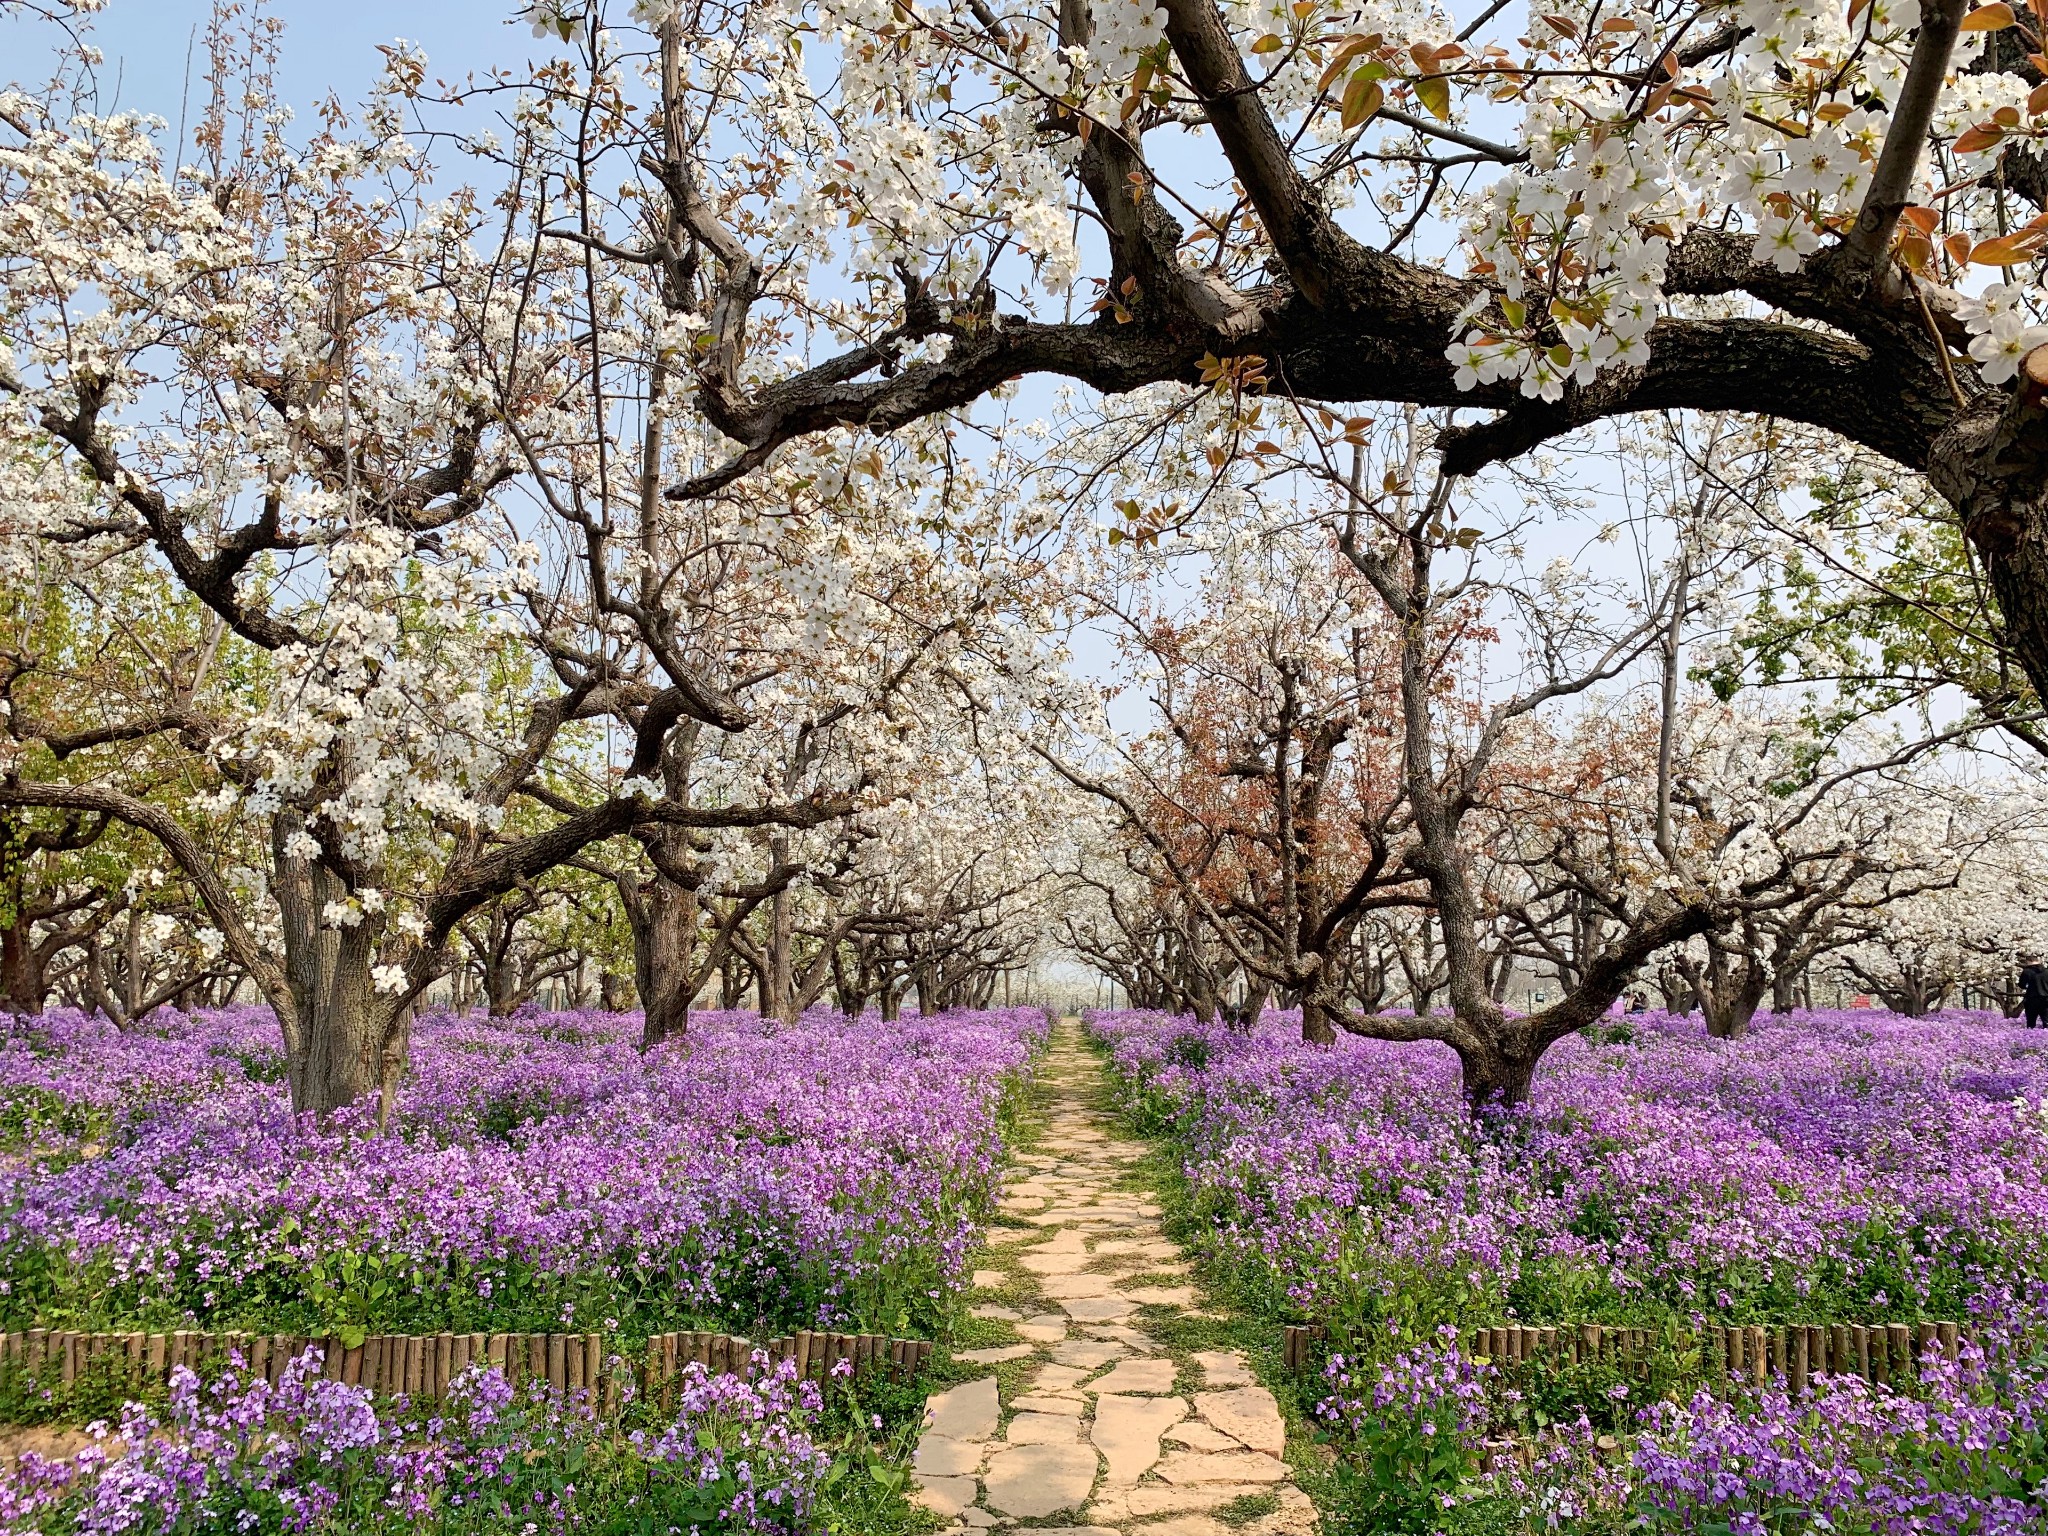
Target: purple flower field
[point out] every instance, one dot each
(539, 1172)
(1831, 1166)
(1846, 1165)
(737, 1455)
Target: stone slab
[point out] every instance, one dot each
(1197, 1435)
(945, 1497)
(1141, 1376)
(1162, 1295)
(1221, 1467)
(1042, 1429)
(1064, 1288)
(995, 1355)
(1246, 1414)
(1033, 1481)
(1127, 1430)
(1058, 1377)
(1045, 1402)
(1087, 1354)
(937, 1456)
(1050, 1261)
(1138, 1343)
(1150, 1499)
(1223, 1368)
(967, 1412)
(1098, 1309)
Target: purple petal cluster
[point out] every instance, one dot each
(1848, 1165)
(309, 1455)
(540, 1172)
(1965, 1454)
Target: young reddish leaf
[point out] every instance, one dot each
(1958, 248)
(1995, 17)
(2005, 251)
(1362, 97)
(1347, 50)
(1978, 139)
(2037, 100)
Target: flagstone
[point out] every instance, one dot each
(1033, 1481)
(1148, 1376)
(1042, 1429)
(1161, 1295)
(995, 1355)
(968, 1412)
(1127, 1430)
(1049, 1261)
(1197, 1435)
(1065, 1288)
(1248, 1414)
(1133, 1340)
(945, 1497)
(1221, 1467)
(937, 1456)
(1059, 1377)
(1150, 1499)
(1047, 1402)
(1098, 1309)
(1223, 1368)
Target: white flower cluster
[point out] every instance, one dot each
(2003, 328)
(1578, 214)
(1577, 238)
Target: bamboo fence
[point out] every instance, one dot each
(422, 1365)
(1883, 1353)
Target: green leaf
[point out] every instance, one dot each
(1434, 92)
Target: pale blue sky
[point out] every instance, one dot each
(328, 45)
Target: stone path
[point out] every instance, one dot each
(1090, 1417)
